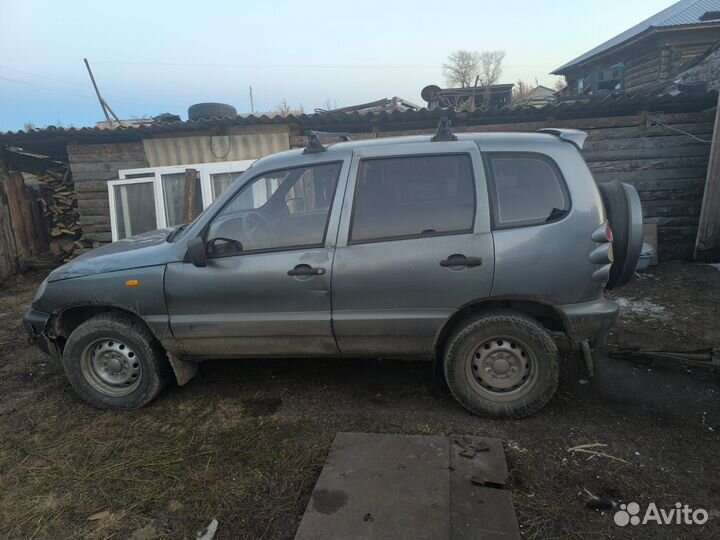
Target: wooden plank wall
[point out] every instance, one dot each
(666, 167)
(92, 166)
(707, 245)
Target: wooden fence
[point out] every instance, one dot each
(23, 230)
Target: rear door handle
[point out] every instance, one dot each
(306, 270)
(458, 259)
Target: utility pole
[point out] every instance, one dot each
(252, 103)
(105, 107)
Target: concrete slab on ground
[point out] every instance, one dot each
(411, 487)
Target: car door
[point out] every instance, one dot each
(266, 287)
(414, 246)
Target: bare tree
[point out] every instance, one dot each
(329, 104)
(283, 108)
(490, 67)
(29, 126)
(560, 84)
(461, 68)
(522, 89)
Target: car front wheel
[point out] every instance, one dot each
(502, 365)
(114, 362)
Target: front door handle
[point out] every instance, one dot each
(458, 259)
(306, 270)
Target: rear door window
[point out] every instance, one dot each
(527, 189)
(408, 197)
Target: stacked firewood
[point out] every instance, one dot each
(59, 204)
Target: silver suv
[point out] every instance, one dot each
(477, 252)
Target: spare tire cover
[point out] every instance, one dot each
(624, 212)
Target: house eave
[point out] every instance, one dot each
(651, 31)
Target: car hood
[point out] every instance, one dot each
(147, 249)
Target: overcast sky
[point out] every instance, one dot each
(151, 57)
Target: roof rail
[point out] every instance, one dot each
(574, 136)
(314, 145)
(444, 131)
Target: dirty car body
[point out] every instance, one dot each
(383, 248)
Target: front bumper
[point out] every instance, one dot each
(590, 320)
(35, 323)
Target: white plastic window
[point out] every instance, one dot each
(146, 199)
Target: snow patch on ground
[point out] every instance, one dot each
(641, 307)
(716, 266)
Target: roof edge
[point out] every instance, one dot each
(631, 41)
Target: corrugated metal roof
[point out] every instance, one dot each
(685, 12)
(52, 141)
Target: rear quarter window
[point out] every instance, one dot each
(526, 189)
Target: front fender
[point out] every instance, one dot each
(139, 291)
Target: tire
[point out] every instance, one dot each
(624, 213)
(480, 358)
(201, 111)
(114, 362)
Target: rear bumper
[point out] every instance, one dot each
(35, 323)
(590, 320)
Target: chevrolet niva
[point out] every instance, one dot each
(475, 251)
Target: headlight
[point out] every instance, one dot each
(41, 290)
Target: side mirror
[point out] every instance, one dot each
(196, 252)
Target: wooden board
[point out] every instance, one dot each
(407, 487)
(707, 242)
(650, 237)
(481, 507)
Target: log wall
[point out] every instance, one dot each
(667, 168)
(92, 166)
(656, 59)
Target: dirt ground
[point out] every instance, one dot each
(244, 442)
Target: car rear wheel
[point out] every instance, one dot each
(114, 362)
(502, 365)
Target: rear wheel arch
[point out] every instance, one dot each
(501, 364)
(547, 314)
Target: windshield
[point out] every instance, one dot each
(180, 231)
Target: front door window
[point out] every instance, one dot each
(280, 210)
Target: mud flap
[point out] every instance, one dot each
(184, 371)
(588, 356)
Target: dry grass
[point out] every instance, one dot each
(156, 475)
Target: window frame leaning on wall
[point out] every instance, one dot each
(153, 175)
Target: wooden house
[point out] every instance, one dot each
(648, 56)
